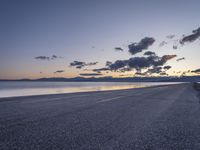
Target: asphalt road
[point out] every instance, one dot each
(156, 118)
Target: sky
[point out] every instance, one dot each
(71, 38)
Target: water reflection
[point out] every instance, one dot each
(10, 89)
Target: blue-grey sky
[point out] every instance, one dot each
(88, 31)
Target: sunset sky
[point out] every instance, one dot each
(43, 38)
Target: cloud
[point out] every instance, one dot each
(158, 70)
(141, 74)
(117, 65)
(160, 61)
(196, 71)
(80, 64)
(125, 69)
(151, 62)
(163, 74)
(163, 43)
(42, 58)
(145, 62)
(167, 67)
(171, 36)
(77, 64)
(119, 49)
(154, 70)
(53, 57)
(91, 63)
(108, 63)
(168, 57)
(144, 44)
(149, 53)
(59, 71)
(175, 47)
(192, 37)
(100, 70)
(179, 59)
(139, 63)
(90, 74)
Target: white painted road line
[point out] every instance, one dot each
(110, 99)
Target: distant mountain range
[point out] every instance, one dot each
(111, 79)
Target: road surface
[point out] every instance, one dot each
(156, 118)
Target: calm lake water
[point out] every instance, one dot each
(14, 88)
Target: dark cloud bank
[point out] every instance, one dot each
(153, 64)
(150, 62)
